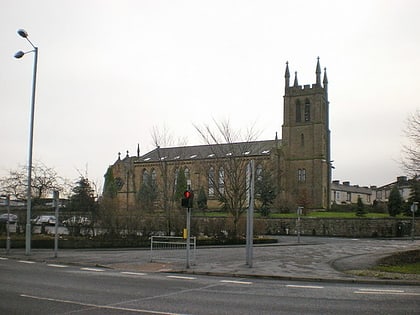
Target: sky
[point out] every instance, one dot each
(111, 72)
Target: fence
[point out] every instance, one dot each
(171, 248)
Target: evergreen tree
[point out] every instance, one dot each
(181, 185)
(414, 196)
(110, 184)
(202, 199)
(360, 212)
(265, 192)
(82, 198)
(395, 202)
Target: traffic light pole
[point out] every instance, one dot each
(188, 236)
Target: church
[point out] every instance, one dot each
(299, 164)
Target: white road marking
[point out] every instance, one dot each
(381, 290)
(181, 277)
(110, 307)
(57, 266)
(92, 269)
(235, 282)
(304, 286)
(26, 261)
(4, 258)
(385, 292)
(133, 273)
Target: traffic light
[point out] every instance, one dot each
(187, 200)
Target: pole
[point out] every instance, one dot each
(55, 203)
(413, 210)
(299, 212)
(188, 236)
(250, 216)
(31, 140)
(188, 228)
(8, 225)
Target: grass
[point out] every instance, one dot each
(409, 268)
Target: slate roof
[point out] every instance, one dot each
(252, 148)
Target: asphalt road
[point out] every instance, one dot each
(31, 287)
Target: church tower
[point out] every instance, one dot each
(306, 143)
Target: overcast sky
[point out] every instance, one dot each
(111, 71)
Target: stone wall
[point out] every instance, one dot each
(389, 227)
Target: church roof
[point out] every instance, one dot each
(184, 153)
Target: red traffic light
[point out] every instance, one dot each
(187, 194)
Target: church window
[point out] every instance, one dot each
(259, 172)
(298, 112)
(221, 180)
(307, 111)
(187, 173)
(211, 181)
(153, 177)
(302, 175)
(145, 176)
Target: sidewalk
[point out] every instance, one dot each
(314, 258)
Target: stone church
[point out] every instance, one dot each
(299, 164)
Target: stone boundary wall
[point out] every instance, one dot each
(358, 227)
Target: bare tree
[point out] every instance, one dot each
(411, 151)
(44, 181)
(229, 184)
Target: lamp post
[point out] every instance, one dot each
(19, 55)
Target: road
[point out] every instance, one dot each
(28, 287)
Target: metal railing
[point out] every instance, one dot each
(171, 248)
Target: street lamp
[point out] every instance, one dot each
(19, 55)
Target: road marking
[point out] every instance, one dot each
(181, 277)
(110, 307)
(26, 261)
(235, 282)
(57, 266)
(304, 286)
(133, 273)
(385, 292)
(4, 258)
(92, 269)
(381, 290)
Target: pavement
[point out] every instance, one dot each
(310, 258)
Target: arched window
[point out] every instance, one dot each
(145, 176)
(221, 180)
(307, 111)
(259, 172)
(211, 181)
(298, 111)
(153, 177)
(187, 173)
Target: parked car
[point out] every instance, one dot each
(76, 220)
(12, 218)
(44, 220)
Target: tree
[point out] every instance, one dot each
(411, 151)
(110, 185)
(44, 181)
(202, 199)
(414, 196)
(265, 191)
(229, 185)
(83, 198)
(395, 202)
(360, 209)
